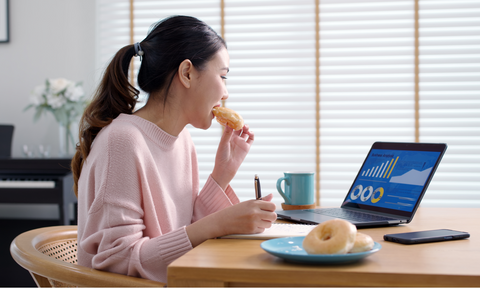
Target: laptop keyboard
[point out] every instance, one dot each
(350, 215)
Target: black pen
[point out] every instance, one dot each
(258, 189)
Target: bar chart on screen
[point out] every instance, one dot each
(384, 170)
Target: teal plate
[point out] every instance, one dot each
(291, 249)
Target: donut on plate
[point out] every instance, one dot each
(334, 236)
(363, 243)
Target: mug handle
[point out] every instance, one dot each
(279, 188)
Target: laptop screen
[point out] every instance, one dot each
(393, 178)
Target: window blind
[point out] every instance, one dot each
(450, 97)
(272, 85)
(367, 84)
(112, 30)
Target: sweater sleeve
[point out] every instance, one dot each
(120, 246)
(212, 198)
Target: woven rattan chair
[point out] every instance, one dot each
(50, 255)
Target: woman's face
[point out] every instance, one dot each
(209, 89)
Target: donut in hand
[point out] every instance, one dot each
(226, 116)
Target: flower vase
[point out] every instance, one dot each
(63, 134)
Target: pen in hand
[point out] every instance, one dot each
(258, 189)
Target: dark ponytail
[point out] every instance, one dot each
(114, 95)
(169, 42)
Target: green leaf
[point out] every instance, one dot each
(28, 107)
(38, 113)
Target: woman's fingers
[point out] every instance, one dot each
(269, 197)
(248, 135)
(271, 217)
(267, 211)
(245, 134)
(227, 134)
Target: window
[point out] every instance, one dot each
(399, 70)
(366, 85)
(450, 97)
(272, 85)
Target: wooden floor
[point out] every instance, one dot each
(12, 274)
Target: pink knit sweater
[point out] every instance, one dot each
(137, 191)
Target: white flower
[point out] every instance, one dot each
(62, 97)
(55, 100)
(74, 92)
(37, 95)
(58, 85)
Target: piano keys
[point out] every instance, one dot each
(35, 181)
(18, 183)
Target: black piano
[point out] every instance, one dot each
(38, 181)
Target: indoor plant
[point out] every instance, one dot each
(65, 99)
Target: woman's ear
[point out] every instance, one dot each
(185, 71)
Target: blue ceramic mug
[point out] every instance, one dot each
(299, 188)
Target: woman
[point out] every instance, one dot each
(136, 174)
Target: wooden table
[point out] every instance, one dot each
(234, 262)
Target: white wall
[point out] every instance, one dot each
(48, 39)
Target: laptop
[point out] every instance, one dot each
(387, 189)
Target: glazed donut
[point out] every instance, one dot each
(227, 116)
(363, 243)
(334, 236)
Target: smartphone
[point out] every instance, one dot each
(426, 236)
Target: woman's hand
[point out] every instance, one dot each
(252, 216)
(248, 217)
(232, 150)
